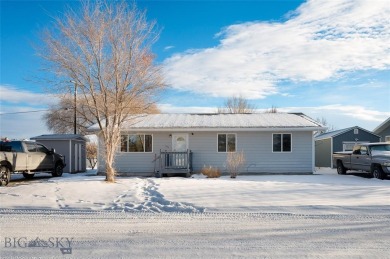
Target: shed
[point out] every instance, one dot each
(168, 143)
(71, 146)
(340, 140)
(383, 130)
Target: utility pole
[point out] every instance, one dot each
(75, 108)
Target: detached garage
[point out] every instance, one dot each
(72, 146)
(340, 140)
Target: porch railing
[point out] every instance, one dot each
(172, 160)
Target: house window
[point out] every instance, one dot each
(281, 142)
(387, 138)
(226, 142)
(355, 131)
(136, 143)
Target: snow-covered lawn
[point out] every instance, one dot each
(268, 216)
(323, 192)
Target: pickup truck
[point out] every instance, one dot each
(28, 157)
(373, 158)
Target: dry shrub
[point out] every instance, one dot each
(233, 162)
(92, 154)
(211, 172)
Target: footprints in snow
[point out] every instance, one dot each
(60, 199)
(9, 194)
(143, 197)
(151, 200)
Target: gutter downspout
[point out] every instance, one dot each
(331, 152)
(313, 157)
(70, 156)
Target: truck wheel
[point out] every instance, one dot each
(378, 173)
(340, 168)
(5, 176)
(58, 170)
(28, 176)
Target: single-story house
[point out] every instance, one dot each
(71, 146)
(162, 143)
(383, 130)
(340, 140)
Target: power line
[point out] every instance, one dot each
(7, 113)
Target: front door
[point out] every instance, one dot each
(180, 142)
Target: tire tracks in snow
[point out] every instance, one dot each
(145, 234)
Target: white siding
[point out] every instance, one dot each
(257, 147)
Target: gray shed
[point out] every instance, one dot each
(340, 140)
(383, 130)
(72, 146)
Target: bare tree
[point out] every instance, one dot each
(60, 117)
(273, 109)
(91, 150)
(237, 105)
(325, 123)
(105, 50)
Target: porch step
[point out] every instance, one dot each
(175, 171)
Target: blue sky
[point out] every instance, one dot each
(328, 59)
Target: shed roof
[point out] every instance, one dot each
(60, 137)
(335, 133)
(257, 121)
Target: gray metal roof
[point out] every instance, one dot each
(256, 121)
(335, 133)
(331, 134)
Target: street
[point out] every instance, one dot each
(88, 234)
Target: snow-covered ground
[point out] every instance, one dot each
(322, 192)
(267, 216)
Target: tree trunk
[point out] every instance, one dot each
(111, 140)
(110, 174)
(110, 171)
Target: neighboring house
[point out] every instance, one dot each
(340, 140)
(383, 130)
(163, 143)
(72, 146)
